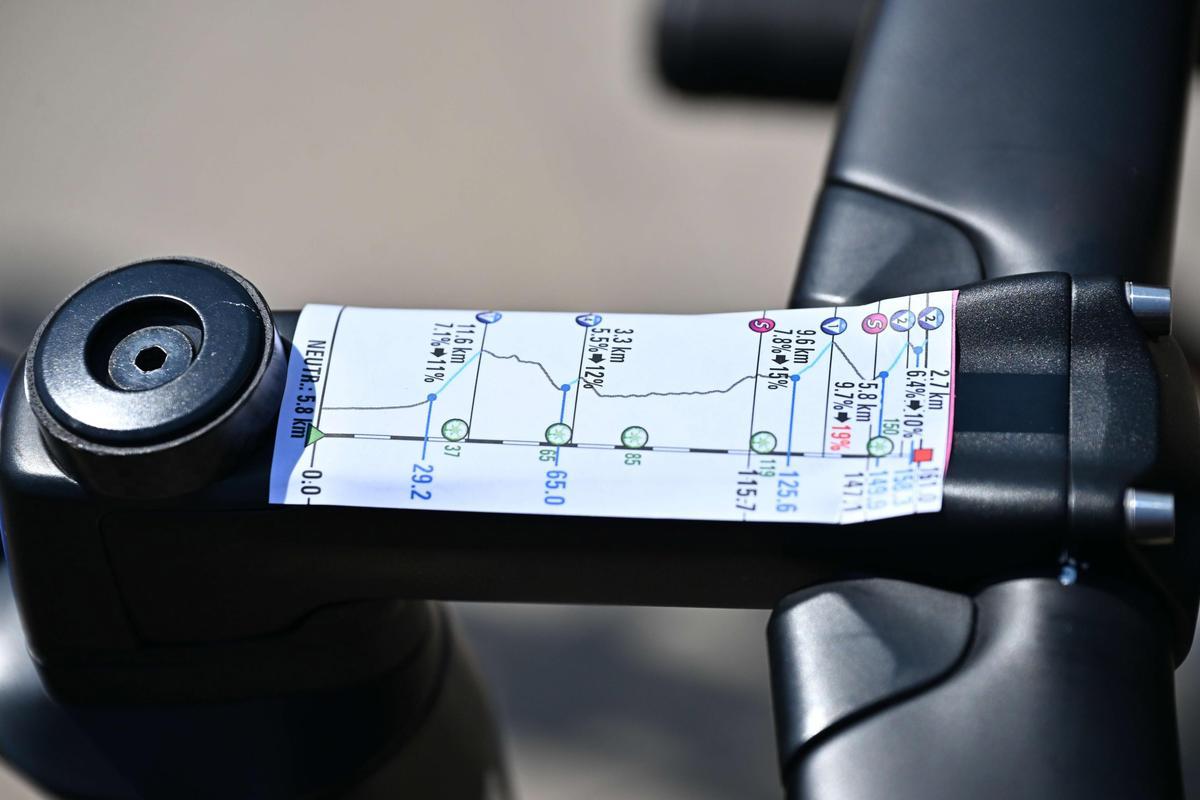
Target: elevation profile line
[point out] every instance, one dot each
(600, 394)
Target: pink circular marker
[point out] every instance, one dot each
(762, 325)
(875, 323)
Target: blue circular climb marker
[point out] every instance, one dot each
(931, 318)
(834, 326)
(903, 320)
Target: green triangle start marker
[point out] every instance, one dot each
(314, 435)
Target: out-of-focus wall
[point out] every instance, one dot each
(443, 153)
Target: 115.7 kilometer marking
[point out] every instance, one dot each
(643, 386)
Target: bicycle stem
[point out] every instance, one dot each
(137, 564)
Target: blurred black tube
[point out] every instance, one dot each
(793, 50)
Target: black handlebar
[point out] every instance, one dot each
(979, 141)
(1034, 688)
(790, 50)
(985, 139)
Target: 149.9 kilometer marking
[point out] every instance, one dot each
(865, 386)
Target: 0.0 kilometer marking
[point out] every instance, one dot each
(806, 403)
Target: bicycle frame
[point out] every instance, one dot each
(999, 625)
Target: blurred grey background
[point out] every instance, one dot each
(446, 154)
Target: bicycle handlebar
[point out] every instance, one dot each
(768, 49)
(1030, 689)
(979, 140)
(1070, 409)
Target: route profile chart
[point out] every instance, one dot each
(826, 415)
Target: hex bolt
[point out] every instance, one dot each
(1151, 307)
(148, 358)
(1150, 516)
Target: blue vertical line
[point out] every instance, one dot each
(869, 426)
(562, 413)
(883, 376)
(792, 419)
(428, 418)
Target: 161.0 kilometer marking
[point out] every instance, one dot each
(806, 415)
